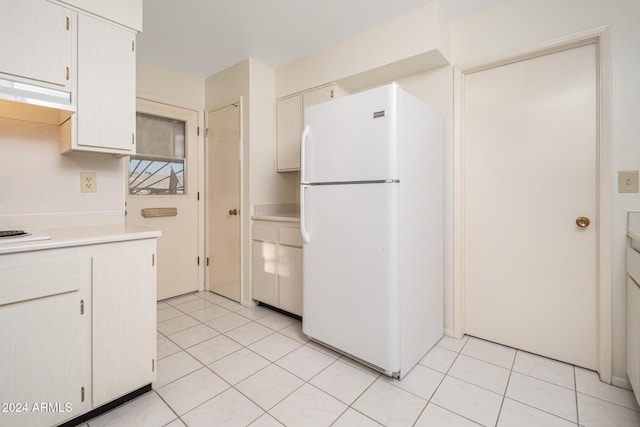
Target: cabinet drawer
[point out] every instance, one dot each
(25, 277)
(265, 233)
(290, 236)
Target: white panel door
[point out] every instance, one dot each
(223, 201)
(530, 145)
(351, 290)
(178, 246)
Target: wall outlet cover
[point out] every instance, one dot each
(88, 182)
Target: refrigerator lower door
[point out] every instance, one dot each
(350, 270)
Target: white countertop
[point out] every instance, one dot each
(79, 236)
(286, 217)
(287, 212)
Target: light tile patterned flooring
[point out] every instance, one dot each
(221, 364)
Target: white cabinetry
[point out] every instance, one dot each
(105, 121)
(277, 265)
(46, 337)
(633, 320)
(124, 318)
(78, 329)
(36, 41)
(125, 12)
(290, 120)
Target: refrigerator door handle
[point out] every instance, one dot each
(303, 153)
(303, 214)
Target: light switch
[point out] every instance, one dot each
(88, 182)
(627, 181)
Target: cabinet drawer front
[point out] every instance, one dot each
(633, 264)
(290, 236)
(27, 279)
(267, 233)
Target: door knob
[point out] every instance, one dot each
(582, 222)
(233, 212)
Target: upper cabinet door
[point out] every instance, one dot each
(288, 133)
(36, 41)
(106, 117)
(124, 12)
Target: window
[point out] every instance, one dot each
(159, 166)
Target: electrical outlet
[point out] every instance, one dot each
(88, 182)
(627, 181)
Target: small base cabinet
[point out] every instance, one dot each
(277, 265)
(46, 337)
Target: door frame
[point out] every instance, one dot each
(244, 207)
(601, 38)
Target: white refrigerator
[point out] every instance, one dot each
(371, 217)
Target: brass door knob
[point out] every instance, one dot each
(582, 222)
(233, 212)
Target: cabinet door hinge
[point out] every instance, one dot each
(81, 394)
(207, 261)
(81, 306)
(67, 73)
(68, 23)
(153, 365)
(133, 45)
(153, 260)
(206, 132)
(198, 196)
(332, 94)
(133, 138)
(198, 130)
(198, 261)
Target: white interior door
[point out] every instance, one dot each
(223, 201)
(164, 174)
(530, 170)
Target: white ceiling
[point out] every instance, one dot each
(202, 37)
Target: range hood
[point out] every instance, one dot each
(24, 101)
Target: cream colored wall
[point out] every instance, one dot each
(161, 83)
(519, 24)
(417, 40)
(41, 187)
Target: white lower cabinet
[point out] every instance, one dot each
(277, 265)
(124, 318)
(78, 329)
(46, 337)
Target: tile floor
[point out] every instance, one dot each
(221, 364)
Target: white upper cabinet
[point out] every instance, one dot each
(36, 42)
(124, 12)
(290, 120)
(106, 90)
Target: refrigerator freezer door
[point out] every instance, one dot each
(351, 290)
(351, 138)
